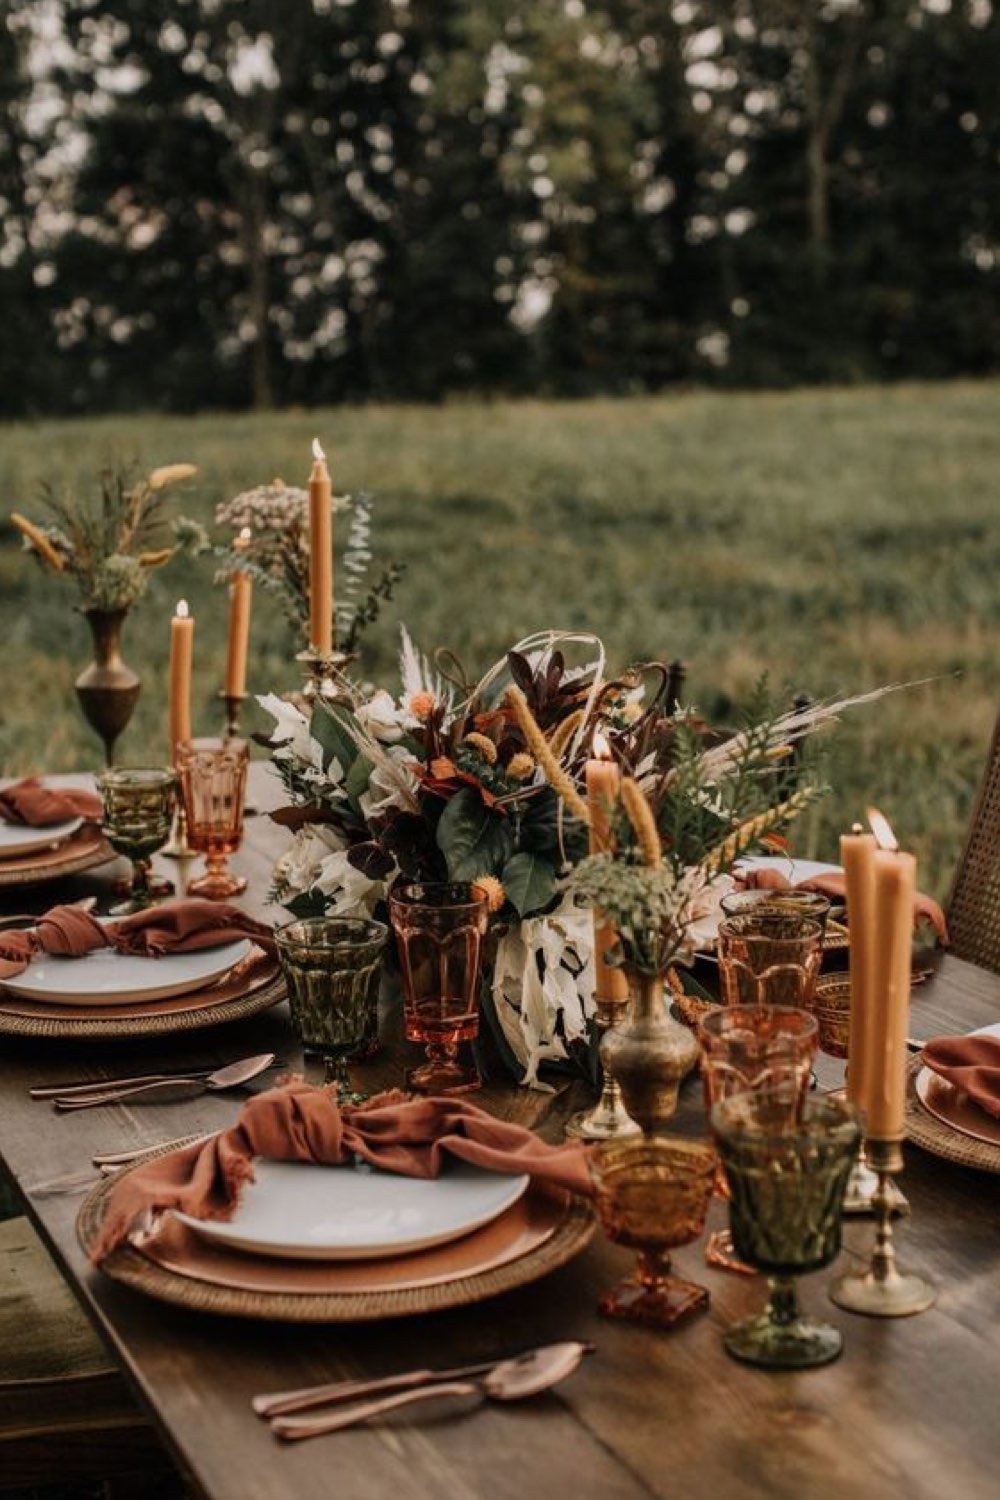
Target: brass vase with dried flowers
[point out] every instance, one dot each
(108, 550)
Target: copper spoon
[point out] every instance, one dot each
(282, 1403)
(511, 1380)
(229, 1077)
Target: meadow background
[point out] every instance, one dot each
(835, 539)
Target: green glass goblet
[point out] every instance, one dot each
(332, 967)
(138, 809)
(787, 1170)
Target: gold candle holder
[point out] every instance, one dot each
(326, 679)
(177, 846)
(233, 703)
(608, 1120)
(883, 1290)
(862, 1185)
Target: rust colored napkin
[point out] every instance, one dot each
(302, 1122)
(175, 927)
(834, 885)
(971, 1063)
(38, 806)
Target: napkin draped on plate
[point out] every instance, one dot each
(175, 927)
(970, 1063)
(834, 885)
(38, 806)
(302, 1122)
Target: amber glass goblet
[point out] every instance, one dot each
(213, 779)
(769, 959)
(771, 903)
(652, 1194)
(786, 1161)
(332, 967)
(439, 933)
(138, 808)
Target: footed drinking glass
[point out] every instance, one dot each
(332, 967)
(213, 778)
(439, 932)
(786, 1162)
(138, 808)
(652, 1194)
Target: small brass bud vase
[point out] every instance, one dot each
(650, 1054)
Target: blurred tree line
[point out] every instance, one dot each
(252, 202)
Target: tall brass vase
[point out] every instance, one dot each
(107, 689)
(649, 1054)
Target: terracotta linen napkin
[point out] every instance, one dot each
(302, 1122)
(38, 806)
(971, 1063)
(834, 885)
(175, 927)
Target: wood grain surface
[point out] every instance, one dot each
(908, 1412)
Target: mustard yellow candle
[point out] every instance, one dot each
(603, 788)
(240, 597)
(179, 682)
(320, 553)
(857, 855)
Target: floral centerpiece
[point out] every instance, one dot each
(482, 780)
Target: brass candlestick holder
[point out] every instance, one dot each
(326, 678)
(608, 1120)
(862, 1186)
(233, 703)
(177, 846)
(882, 1290)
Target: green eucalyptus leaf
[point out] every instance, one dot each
(357, 779)
(529, 883)
(328, 726)
(473, 839)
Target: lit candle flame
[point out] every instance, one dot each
(244, 539)
(182, 610)
(602, 750)
(318, 453)
(881, 828)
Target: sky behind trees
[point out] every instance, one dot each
(231, 203)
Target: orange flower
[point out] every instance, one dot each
(490, 887)
(422, 705)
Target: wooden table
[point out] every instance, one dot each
(909, 1411)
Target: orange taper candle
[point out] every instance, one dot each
(179, 688)
(857, 855)
(320, 553)
(603, 788)
(240, 596)
(895, 888)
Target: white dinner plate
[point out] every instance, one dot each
(953, 1107)
(794, 870)
(305, 1212)
(109, 978)
(17, 838)
(705, 930)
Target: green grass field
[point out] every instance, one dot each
(834, 539)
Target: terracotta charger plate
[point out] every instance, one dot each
(250, 987)
(537, 1234)
(83, 851)
(942, 1120)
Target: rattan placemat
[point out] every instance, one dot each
(253, 986)
(81, 852)
(537, 1235)
(931, 1134)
